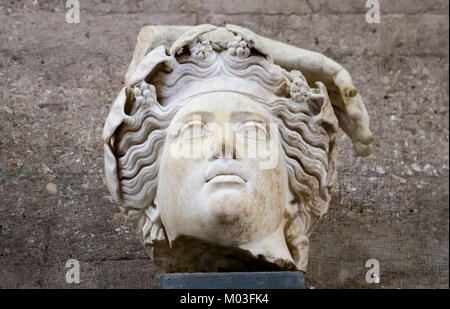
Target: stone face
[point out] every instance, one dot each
(220, 153)
(57, 86)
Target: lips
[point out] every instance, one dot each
(225, 172)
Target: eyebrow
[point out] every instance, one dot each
(205, 116)
(249, 116)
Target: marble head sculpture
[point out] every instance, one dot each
(225, 94)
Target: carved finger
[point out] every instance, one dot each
(352, 105)
(345, 84)
(348, 127)
(361, 149)
(361, 120)
(345, 123)
(365, 136)
(355, 107)
(358, 131)
(355, 112)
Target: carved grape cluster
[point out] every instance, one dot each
(299, 88)
(201, 49)
(239, 47)
(144, 93)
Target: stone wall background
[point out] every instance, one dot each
(57, 81)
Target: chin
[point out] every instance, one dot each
(229, 208)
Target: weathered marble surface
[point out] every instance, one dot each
(399, 214)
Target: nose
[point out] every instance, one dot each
(224, 142)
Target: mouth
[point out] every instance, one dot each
(225, 174)
(226, 179)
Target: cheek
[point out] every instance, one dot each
(171, 172)
(269, 192)
(179, 178)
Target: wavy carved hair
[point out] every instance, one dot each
(309, 145)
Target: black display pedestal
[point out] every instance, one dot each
(234, 280)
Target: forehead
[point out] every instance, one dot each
(226, 105)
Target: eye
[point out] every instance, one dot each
(192, 130)
(252, 130)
